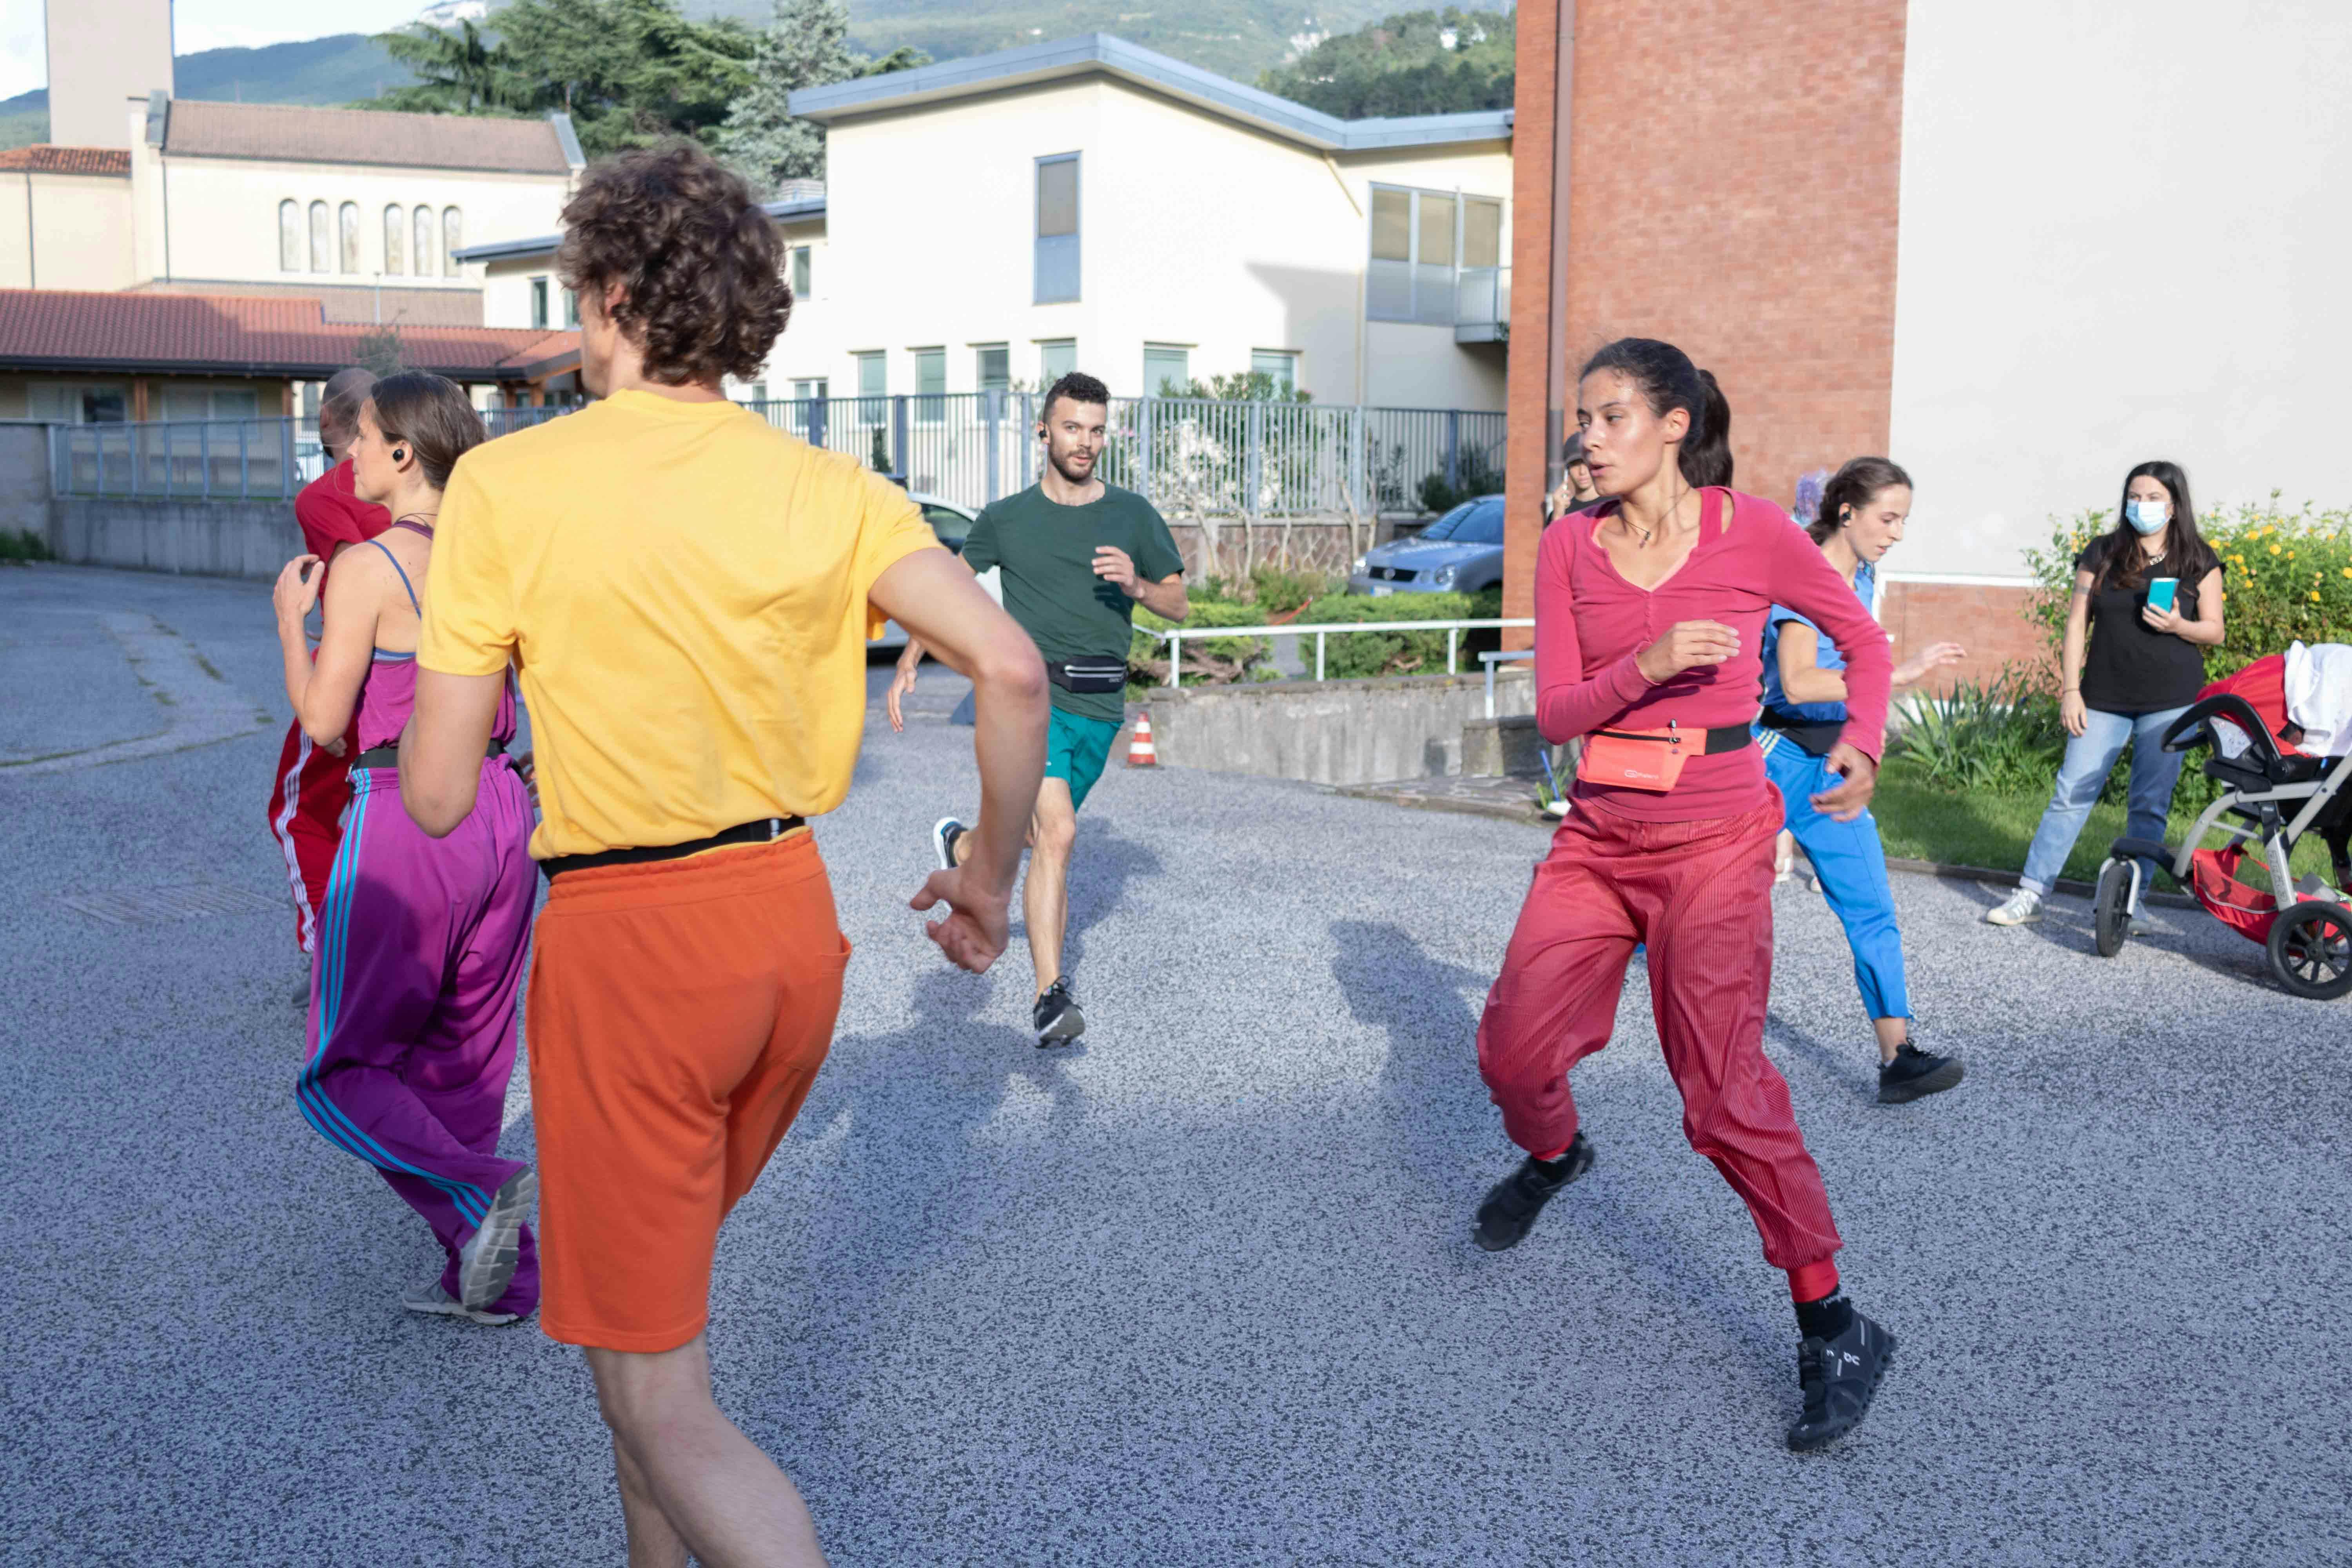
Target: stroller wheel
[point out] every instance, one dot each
(2111, 908)
(2311, 950)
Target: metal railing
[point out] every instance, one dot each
(1174, 636)
(1190, 457)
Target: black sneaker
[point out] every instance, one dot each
(1915, 1073)
(1510, 1209)
(1839, 1376)
(944, 834)
(1056, 1017)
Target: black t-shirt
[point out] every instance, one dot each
(2130, 666)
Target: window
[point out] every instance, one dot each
(80, 403)
(289, 235)
(1167, 370)
(805, 390)
(1472, 522)
(571, 308)
(992, 367)
(931, 385)
(1056, 279)
(323, 250)
(800, 271)
(539, 303)
(422, 229)
(347, 229)
(1426, 245)
(1279, 367)
(1057, 357)
(198, 403)
(808, 408)
(395, 230)
(453, 241)
(873, 380)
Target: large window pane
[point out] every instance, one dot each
(800, 272)
(1432, 261)
(1435, 231)
(1058, 197)
(1167, 370)
(347, 225)
(395, 231)
(422, 229)
(1391, 225)
(539, 303)
(322, 244)
(1279, 367)
(931, 383)
(453, 241)
(289, 235)
(873, 378)
(1056, 358)
(1482, 233)
(993, 367)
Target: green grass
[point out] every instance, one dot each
(1919, 822)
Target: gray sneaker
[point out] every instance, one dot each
(2024, 905)
(431, 1299)
(485, 1264)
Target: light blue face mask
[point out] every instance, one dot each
(2148, 516)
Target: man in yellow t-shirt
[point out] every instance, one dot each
(686, 595)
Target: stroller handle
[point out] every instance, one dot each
(2191, 729)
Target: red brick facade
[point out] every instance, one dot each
(1734, 171)
(1989, 622)
(1534, 351)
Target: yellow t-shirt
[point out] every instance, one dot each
(684, 590)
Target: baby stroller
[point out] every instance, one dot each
(2279, 730)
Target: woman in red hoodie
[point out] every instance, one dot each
(1649, 634)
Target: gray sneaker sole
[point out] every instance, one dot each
(437, 1306)
(1945, 1076)
(485, 1264)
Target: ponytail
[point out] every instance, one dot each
(1851, 488)
(1707, 450)
(1668, 380)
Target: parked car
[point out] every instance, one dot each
(953, 524)
(1461, 552)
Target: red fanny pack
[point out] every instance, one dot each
(1653, 759)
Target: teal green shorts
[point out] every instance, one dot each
(1077, 749)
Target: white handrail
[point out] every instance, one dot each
(1174, 636)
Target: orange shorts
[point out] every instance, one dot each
(678, 1012)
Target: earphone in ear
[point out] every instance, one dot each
(400, 453)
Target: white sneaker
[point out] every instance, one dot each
(430, 1298)
(2024, 905)
(944, 834)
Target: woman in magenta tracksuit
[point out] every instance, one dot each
(420, 949)
(1649, 626)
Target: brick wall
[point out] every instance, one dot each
(1989, 622)
(1735, 167)
(1533, 265)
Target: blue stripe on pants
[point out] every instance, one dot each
(1851, 864)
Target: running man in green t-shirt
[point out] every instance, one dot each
(1077, 555)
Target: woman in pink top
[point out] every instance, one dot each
(1649, 635)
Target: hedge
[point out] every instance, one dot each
(1210, 660)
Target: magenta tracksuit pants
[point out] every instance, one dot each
(412, 985)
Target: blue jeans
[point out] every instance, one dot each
(1851, 864)
(2090, 758)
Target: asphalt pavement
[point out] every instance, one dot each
(1198, 1293)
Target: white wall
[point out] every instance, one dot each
(65, 231)
(2124, 235)
(1193, 231)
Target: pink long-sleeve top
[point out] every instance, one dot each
(1591, 623)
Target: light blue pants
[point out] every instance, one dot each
(2090, 758)
(1852, 864)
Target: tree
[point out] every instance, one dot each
(628, 72)
(806, 45)
(1418, 62)
(379, 352)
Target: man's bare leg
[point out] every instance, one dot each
(1046, 893)
(690, 1480)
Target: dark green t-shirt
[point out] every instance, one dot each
(1047, 551)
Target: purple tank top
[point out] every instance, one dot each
(388, 695)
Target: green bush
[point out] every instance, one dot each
(1474, 477)
(1997, 737)
(2287, 577)
(1277, 590)
(1208, 661)
(20, 547)
(1366, 654)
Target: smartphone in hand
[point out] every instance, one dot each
(2160, 591)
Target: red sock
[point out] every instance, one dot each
(1813, 1281)
(1555, 1154)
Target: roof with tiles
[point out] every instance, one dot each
(297, 133)
(45, 158)
(219, 334)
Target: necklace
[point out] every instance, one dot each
(1649, 536)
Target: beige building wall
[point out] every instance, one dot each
(1193, 231)
(104, 54)
(65, 231)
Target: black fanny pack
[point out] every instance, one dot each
(764, 831)
(1088, 675)
(1812, 737)
(389, 756)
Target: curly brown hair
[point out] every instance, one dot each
(699, 264)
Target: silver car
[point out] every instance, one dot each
(953, 524)
(1461, 552)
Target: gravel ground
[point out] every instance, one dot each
(1201, 1291)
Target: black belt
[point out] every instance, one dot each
(766, 830)
(1813, 737)
(389, 756)
(1726, 738)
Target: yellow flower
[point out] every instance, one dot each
(2348, 571)
(2274, 549)
(2314, 598)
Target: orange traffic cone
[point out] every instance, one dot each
(1141, 753)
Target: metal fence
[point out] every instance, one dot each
(1190, 457)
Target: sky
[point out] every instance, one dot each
(198, 25)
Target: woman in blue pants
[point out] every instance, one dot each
(1860, 519)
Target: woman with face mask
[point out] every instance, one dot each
(1650, 614)
(2147, 606)
(1860, 518)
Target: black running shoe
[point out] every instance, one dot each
(1838, 1377)
(1057, 1018)
(1505, 1218)
(1915, 1073)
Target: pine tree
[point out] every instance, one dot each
(806, 45)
